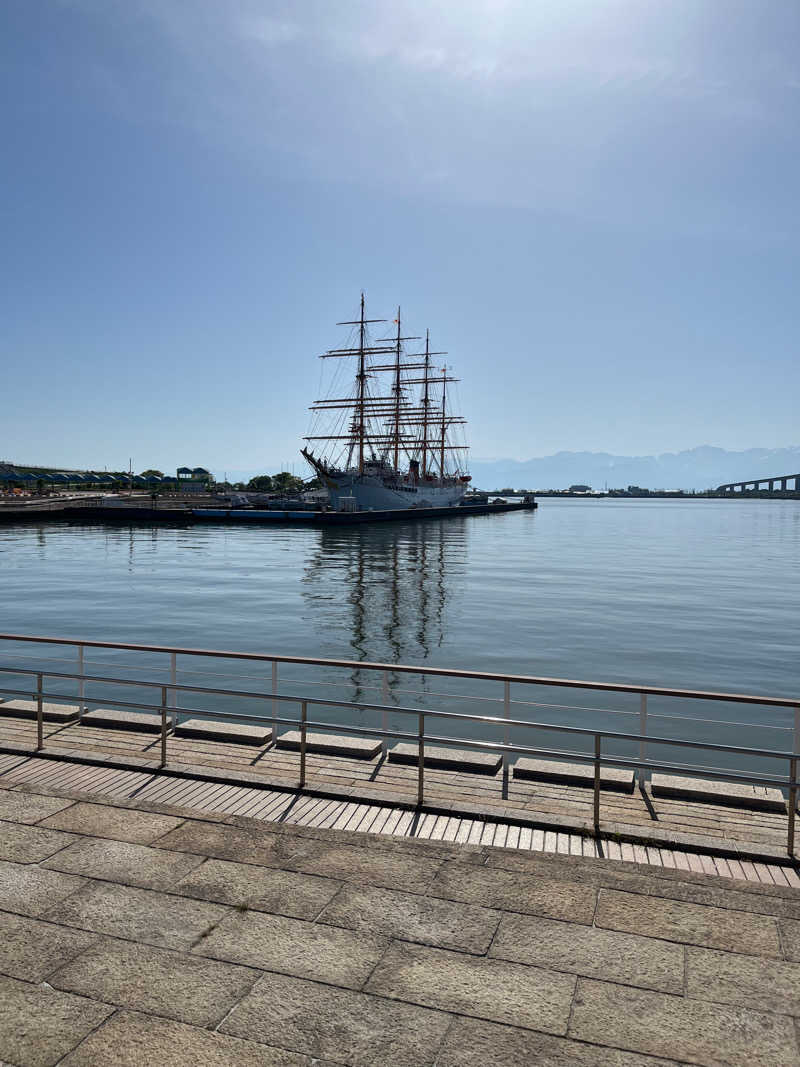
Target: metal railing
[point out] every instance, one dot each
(172, 698)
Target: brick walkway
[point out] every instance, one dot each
(135, 933)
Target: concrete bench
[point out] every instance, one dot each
(232, 732)
(707, 791)
(331, 744)
(581, 774)
(447, 759)
(27, 709)
(125, 720)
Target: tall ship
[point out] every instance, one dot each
(392, 440)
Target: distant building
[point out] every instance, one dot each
(193, 479)
(580, 489)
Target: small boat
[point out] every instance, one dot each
(390, 443)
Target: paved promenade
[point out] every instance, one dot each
(139, 933)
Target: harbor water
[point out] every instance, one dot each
(691, 594)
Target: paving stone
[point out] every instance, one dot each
(138, 915)
(254, 845)
(301, 896)
(120, 861)
(446, 758)
(234, 733)
(30, 844)
(188, 988)
(28, 709)
(121, 824)
(39, 1025)
(326, 744)
(134, 1040)
(338, 1024)
(413, 917)
(691, 924)
(291, 946)
(124, 720)
(663, 1025)
(412, 873)
(584, 950)
(32, 890)
(790, 939)
(29, 808)
(753, 982)
(515, 892)
(580, 774)
(706, 791)
(30, 949)
(476, 1043)
(474, 985)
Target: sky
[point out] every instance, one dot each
(592, 204)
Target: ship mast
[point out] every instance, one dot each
(397, 396)
(362, 385)
(444, 421)
(426, 403)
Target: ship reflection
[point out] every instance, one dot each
(384, 589)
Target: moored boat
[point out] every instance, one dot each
(389, 446)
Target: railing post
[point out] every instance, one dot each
(163, 726)
(385, 713)
(81, 684)
(643, 743)
(303, 716)
(796, 745)
(421, 759)
(173, 677)
(506, 734)
(596, 784)
(792, 802)
(39, 714)
(274, 702)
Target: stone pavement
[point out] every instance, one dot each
(135, 934)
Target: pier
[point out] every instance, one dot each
(144, 510)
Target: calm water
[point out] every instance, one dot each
(699, 594)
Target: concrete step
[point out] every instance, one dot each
(331, 744)
(707, 791)
(26, 709)
(540, 770)
(125, 720)
(233, 732)
(447, 759)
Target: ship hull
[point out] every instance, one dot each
(372, 494)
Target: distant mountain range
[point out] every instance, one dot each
(698, 468)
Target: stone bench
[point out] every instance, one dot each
(581, 774)
(447, 759)
(126, 720)
(707, 791)
(27, 709)
(232, 732)
(325, 744)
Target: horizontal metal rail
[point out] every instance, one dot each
(404, 668)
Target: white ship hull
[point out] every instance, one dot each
(372, 494)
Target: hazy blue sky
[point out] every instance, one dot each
(593, 205)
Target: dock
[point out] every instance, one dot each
(144, 512)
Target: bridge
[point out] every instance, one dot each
(763, 485)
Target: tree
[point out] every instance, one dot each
(262, 483)
(288, 483)
(152, 474)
